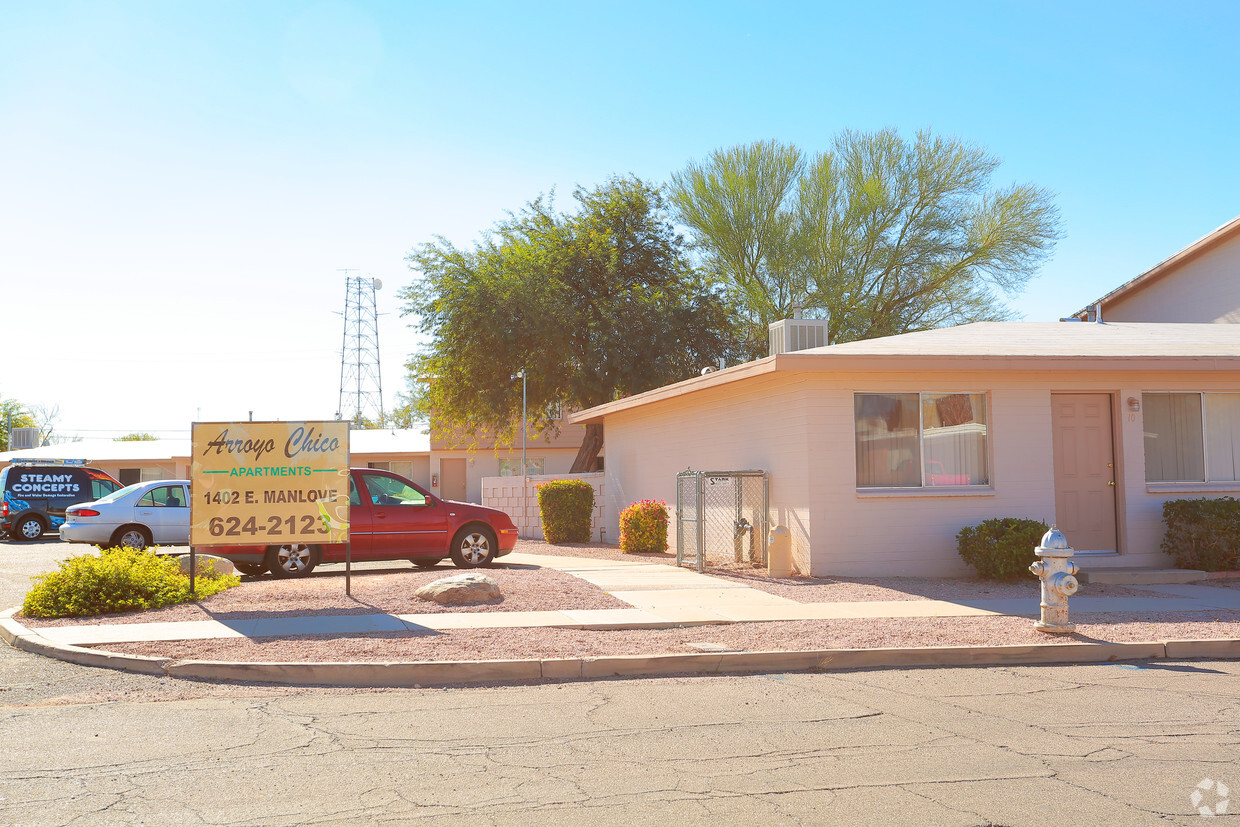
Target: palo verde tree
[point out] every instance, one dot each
(592, 305)
(880, 235)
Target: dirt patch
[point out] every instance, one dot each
(374, 592)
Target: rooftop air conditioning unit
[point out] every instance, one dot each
(791, 335)
(23, 438)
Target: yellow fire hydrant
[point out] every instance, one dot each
(1058, 575)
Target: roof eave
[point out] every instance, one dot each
(853, 362)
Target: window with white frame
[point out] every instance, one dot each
(512, 467)
(916, 440)
(1191, 437)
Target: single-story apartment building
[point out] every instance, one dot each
(880, 451)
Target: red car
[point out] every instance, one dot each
(390, 518)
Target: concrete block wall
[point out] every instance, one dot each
(506, 494)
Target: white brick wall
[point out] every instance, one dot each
(505, 493)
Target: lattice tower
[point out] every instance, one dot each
(361, 381)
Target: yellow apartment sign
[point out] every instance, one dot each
(269, 483)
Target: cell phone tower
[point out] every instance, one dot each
(361, 381)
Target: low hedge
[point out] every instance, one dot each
(643, 527)
(117, 580)
(1203, 534)
(1001, 548)
(566, 508)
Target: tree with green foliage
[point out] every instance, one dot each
(879, 235)
(13, 414)
(592, 305)
(138, 436)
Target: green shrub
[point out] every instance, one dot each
(643, 527)
(1203, 534)
(1002, 548)
(117, 580)
(566, 507)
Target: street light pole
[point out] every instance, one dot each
(524, 480)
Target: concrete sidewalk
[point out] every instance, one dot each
(661, 596)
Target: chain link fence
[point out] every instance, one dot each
(721, 519)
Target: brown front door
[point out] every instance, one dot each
(1084, 470)
(452, 479)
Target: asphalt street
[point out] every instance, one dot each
(1132, 744)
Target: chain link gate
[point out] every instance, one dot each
(721, 518)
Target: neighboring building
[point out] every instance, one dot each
(880, 451)
(459, 464)
(406, 452)
(1200, 283)
(451, 470)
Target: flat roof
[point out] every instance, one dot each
(987, 346)
(1146, 340)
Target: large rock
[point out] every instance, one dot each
(207, 562)
(461, 590)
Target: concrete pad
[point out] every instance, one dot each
(444, 621)
(100, 634)
(648, 665)
(318, 625)
(689, 615)
(1216, 598)
(1211, 648)
(561, 669)
(713, 599)
(1136, 604)
(622, 582)
(10, 629)
(1122, 576)
(361, 674)
(89, 657)
(992, 655)
(616, 619)
(555, 561)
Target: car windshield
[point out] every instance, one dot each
(120, 492)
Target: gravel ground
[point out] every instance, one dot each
(526, 589)
(374, 592)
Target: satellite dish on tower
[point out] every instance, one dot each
(378, 283)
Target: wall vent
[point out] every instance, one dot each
(791, 335)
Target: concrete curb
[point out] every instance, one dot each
(430, 673)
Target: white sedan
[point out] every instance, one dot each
(139, 515)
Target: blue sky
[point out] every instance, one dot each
(181, 182)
